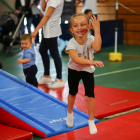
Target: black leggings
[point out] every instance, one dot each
(51, 44)
(74, 78)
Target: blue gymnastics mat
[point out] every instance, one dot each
(36, 108)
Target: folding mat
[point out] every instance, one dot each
(126, 127)
(41, 113)
(10, 133)
(108, 101)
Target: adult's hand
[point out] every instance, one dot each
(34, 33)
(31, 4)
(17, 11)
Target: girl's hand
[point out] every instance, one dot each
(97, 63)
(95, 22)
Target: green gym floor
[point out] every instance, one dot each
(123, 74)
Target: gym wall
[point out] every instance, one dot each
(107, 12)
(131, 20)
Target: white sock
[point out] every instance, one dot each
(92, 127)
(69, 120)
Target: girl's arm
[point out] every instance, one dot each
(23, 60)
(97, 40)
(43, 21)
(82, 61)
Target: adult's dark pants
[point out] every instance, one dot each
(52, 45)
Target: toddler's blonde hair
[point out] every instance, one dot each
(26, 37)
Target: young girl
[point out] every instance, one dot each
(81, 64)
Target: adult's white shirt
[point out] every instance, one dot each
(52, 27)
(22, 2)
(34, 9)
(91, 4)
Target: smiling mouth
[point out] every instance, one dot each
(83, 31)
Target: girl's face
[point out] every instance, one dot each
(79, 26)
(25, 44)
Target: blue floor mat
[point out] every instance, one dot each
(35, 107)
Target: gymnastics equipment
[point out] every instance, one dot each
(28, 108)
(108, 101)
(116, 56)
(10, 133)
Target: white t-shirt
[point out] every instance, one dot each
(52, 27)
(84, 51)
(91, 4)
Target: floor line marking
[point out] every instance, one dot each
(97, 75)
(118, 71)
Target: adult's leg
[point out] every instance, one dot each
(45, 57)
(29, 22)
(53, 47)
(61, 43)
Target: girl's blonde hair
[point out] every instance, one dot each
(26, 37)
(77, 15)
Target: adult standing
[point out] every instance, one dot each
(51, 30)
(37, 15)
(26, 4)
(91, 4)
